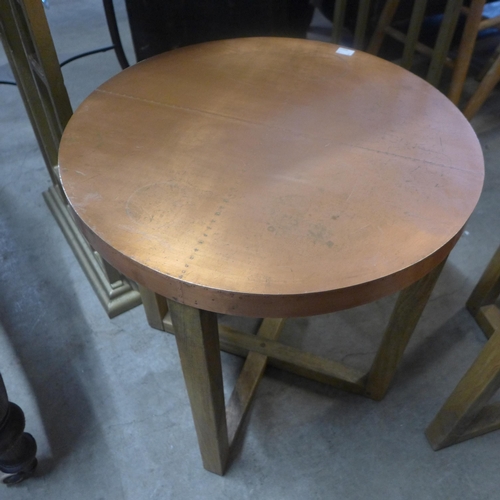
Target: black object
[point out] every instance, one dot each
(17, 448)
(158, 26)
(109, 11)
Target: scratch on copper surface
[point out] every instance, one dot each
(147, 236)
(91, 197)
(395, 155)
(81, 173)
(97, 174)
(419, 146)
(431, 219)
(359, 229)
(289, 178)
(350, 194)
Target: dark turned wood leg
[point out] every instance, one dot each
(17, 448)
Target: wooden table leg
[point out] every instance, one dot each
(407, 311)
(465, 50)
(416, 21)
(443, 42)
(197, 338)
(464, 415)
(155, 308)
(487, 84)
(384, 21)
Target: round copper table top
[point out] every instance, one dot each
(270, 177)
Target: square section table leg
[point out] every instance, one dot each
(464, 415)
(155, 307)
(197, 338)
(407, 311)
(465, 50)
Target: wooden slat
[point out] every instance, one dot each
(419, 47)
(38, 70)
(295, 361)
(311, 366)
(338, 20)
(417, 18)
(249, 379)
(384, 22)
(18, 59)
(443, 42)
(489, 63)
(155, 307)
(489, 23)
(465, 49)
(486, 86)
(488, 319)
(361, 24)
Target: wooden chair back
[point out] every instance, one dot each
(480, 16)
(28, 43)
(30, 50)
(473, 25)
(438, 54)
(362, 17)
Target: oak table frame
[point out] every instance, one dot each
(270, 178)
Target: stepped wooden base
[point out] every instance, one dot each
(117, 296)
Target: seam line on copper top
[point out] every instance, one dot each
(312, 137)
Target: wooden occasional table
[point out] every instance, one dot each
(271, 178)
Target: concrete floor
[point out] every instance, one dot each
(105, 398)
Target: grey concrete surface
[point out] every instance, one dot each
(105, 398)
